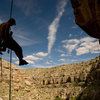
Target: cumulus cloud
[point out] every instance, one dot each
(82, 46)
(55, 24)
(67, 60)
(63, 60)
(88, 46)
(48, 63)
(17, 62)
(87, 39)
(35, 57)
(62, 55)
(30, 61)
(41, 54)
(31, 57)
(71, 44)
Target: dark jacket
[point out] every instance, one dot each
(4, 31)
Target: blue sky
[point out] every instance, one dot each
(47, 33)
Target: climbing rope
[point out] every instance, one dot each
(99, 51)
(10, 56)
(10, 75)
(11, 8)
(1, 67)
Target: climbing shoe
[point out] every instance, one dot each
(23, 62)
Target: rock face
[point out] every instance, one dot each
(87, 16)
(64, 82)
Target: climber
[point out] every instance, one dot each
(6, 40)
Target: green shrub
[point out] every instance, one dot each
(57, 98)
(77, 97)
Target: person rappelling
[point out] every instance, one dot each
(6, 40)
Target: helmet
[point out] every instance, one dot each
(12, 21)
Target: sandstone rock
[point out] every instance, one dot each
(16, 79)
(64, 97)
(6, 67)
(81, 83)
(60, 81)
(55, 81)
(81, 77)
(1, 99)
(27, 90)
(68, 84)
(17, 87)
(28, 83)
(72, 79)
(47, 82)
(41, 82)
(76, 78)
(52, 81)
(65, 79)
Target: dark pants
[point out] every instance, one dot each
(13, 45)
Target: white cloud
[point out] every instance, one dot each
(31, 57)
(71, 44)
(14, 58)
(88, 46)
(55, 24)
(87, 39)
(63, 60)
(17, 62)
(41, 54)
(81, 50)
(82, 46)
(62, 55)
(48, 63)
(30, 61)
(68, 60)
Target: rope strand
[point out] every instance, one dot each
(11, 8)
(1, 67)
(10, 75)
(10, 56)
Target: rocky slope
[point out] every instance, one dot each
(66, 82)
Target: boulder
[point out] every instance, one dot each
(1, 99)
(28, 83)
(47, 82)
